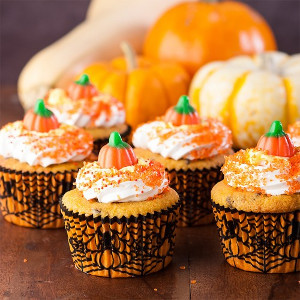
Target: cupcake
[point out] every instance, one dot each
(256, 206)
(39, 160)
(82, 105)
(294, 133)
(192, 151)
(121, 217)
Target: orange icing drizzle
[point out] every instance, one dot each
(56, 143)
(241, 170)
(94, 107)
(209, 132)
(150, 172)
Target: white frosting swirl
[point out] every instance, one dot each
(66, 143)
(294, 133)
(296, 141)
(253, 170)
(124, 185)
(81, 113)
(207, 139)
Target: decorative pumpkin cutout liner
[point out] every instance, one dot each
(116, 154)
(182, 114)
(276, 141)
(82, 89)
(40, 118)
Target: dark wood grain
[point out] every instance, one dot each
(48, 271)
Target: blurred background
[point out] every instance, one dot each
(28, 26)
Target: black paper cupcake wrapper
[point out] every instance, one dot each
(31, 199)
(259, 242)
(99, 143)
(194, 188)
(126, 247)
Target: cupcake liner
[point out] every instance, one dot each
(99, 143)
(31, 199)
(259, 242)
(194, 187)
(126, 247)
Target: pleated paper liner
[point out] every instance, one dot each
(31, 199)
(126, 247)
(259, 242)
(99, 143)
(194, 187)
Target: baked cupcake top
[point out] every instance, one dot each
(181, 134)
(83, 105)
(40, 140)
(118, 176)
(272, 168)
(294, 132)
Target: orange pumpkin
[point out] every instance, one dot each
(195, 33)
(276, 141)
(116, 154)
(40, 118)
(82, 89)
(146, 88)
(182, 113)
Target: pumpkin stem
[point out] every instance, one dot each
(275, 130)
(41, 110)
(116, 141)
(130, 56)
(83, 80)
(183, 106)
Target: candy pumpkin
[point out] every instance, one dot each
(40, 118)
(182, 114)
(248, 92)
(82, 89)
(146, 88)
(276, 141)
(116, 154)
(195, 33)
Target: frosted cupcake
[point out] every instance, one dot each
(39, 159)
(192, 150)
(294, 133)
(82, 105)
(257, 205)
(121, 217)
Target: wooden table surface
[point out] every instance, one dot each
(37, 264)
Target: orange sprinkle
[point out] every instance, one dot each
(94, 107)
(216, 137)
(243, 170)
(56, 143)
(150, 172)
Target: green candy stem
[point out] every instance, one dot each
(41, 110)
(275, 130)
(115, 141)
(83, 80)
(183, 106)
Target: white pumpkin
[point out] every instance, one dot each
(248, 93)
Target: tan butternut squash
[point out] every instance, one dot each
(108, 23)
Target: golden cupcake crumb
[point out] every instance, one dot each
(74, 201)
